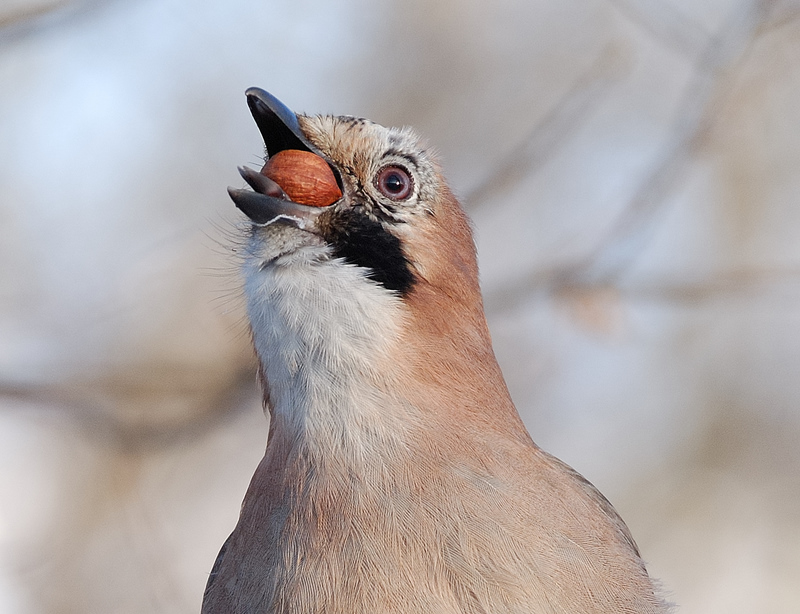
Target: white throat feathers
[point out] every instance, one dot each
(325, 334)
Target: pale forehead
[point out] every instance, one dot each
(349, 140)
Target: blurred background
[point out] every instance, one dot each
(632, 168)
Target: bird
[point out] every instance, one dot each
(398, 476)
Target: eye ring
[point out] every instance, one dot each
(394, 182)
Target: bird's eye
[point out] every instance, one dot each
(394, 182)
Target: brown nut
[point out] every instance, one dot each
(304, 176)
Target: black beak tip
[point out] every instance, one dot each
(235, 195)
(262, 102)
(248, 203)
(277, 123)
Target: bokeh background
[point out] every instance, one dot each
(632, 168)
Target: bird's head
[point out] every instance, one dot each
(383, 206)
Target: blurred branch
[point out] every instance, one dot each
(28, 13)
(695, 115)
(684, 35)
(731, 284)
(34, 19)
(554, 129)
(100, 422)
(668, 24)
(742, 284)
(781, 15)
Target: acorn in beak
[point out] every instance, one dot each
(297, 183)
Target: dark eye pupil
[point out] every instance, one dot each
(394, 183)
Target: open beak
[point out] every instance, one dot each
(267, 203)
